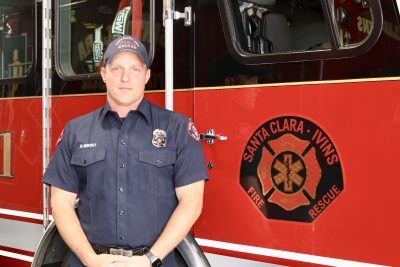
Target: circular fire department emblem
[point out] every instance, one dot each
(291, 169)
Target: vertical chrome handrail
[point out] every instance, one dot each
(46, 101)
(168, 18)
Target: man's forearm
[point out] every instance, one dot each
(180, 223)
(176, 229)
(71, 231)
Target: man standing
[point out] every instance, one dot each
(138, 169)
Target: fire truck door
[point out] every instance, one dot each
(224, 117)
(220, 118)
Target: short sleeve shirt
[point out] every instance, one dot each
(126, 171)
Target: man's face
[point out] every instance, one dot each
(125, 77)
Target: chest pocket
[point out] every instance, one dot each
(90, 167)
(156, 171)
(87, 157)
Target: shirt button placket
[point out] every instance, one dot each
(122, 156)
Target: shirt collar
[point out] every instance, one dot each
(143, 108)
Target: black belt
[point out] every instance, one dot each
(139, 251)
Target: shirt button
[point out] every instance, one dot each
(121, 212)
(122, 165)
(122, 239)
(121, 189)
(123, 142)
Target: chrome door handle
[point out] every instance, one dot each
(211, 137)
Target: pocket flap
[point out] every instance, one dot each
(88, 156)
(157, 158)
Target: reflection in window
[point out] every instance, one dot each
(16, 20)
(87, 27)
(353, 20)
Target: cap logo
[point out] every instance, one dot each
(127, 44)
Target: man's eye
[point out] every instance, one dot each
(115, 68)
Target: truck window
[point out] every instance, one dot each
(16, 39)
(356, 39)
(271, 30)
(85, 28)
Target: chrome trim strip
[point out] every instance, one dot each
(22, 214)
(16, 256)
(283, 254)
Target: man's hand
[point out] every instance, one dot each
(134, 261)
(106, 260)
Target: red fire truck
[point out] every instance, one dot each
(297, 103)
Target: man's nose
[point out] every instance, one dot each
(125, 76)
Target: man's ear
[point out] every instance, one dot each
(148, 74)
(103, 74)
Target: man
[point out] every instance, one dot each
(138, 169)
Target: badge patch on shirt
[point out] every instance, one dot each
(193, 131)
(159, 138)
(60, 137)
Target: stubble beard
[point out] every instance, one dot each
(119, 100)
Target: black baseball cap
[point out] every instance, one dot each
(126, 43)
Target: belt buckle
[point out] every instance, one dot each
(127, 253)
(121, 251)
(117, 251)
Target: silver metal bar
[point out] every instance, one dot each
(46, 102)
(214, 137)
(210, 136)
(169, 53)
(186, 16)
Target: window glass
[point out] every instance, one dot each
(276, 26)
(374, 29)
(85, 28)
(16, 32)
(298, 28)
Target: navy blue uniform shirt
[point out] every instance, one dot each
(126, 173)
